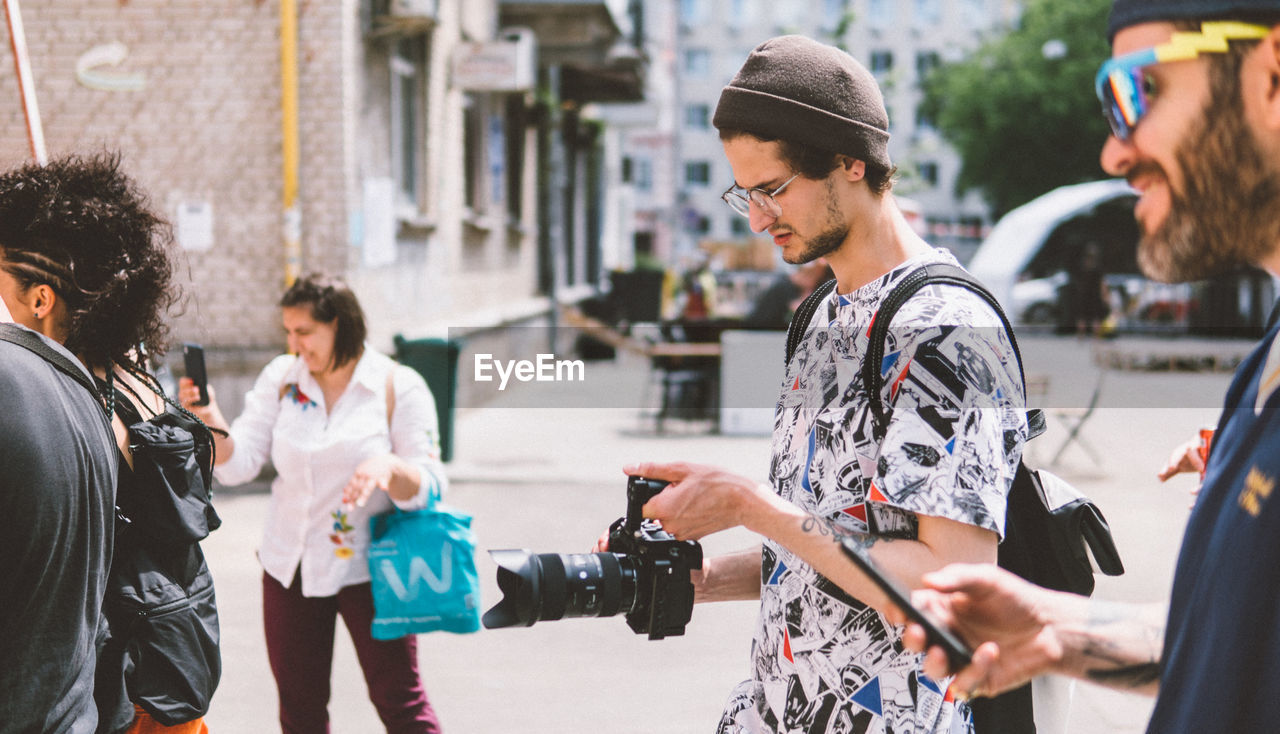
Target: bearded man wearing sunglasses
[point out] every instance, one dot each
(805, 131)
(1193, 98)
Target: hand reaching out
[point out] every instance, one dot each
(372, 474)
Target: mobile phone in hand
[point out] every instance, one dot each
(958, 653)
(193, 357)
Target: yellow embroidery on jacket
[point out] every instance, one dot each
(1257, 488)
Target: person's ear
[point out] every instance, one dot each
(854, 169)
(43, 299)
(1266, 79)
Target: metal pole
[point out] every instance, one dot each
(18, 42)
(292, 224)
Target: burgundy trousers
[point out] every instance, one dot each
(299, 634)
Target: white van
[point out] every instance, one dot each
(1026, 258)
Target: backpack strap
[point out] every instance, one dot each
(934, 273)
(30, 341)
(804, 314)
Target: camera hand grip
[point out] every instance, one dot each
(639, 491)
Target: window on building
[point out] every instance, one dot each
(517, 124)
(693, 13)
(743, 14)
(929, 173)
(493, 154)
(882, 13)
(928, 13)
(881, 61)
(697, 173)
(408, 109)
(472, 150)
(975, 13)
(697, 116)
(740, 226)
(697, 62)
(791, 15)
(643, 172)
(833, 12)
(926, 62)
(925, 121)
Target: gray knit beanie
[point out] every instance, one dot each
(1125, 13)
(797, 89)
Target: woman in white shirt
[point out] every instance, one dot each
(350, 434)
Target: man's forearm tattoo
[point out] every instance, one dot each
(1121, 650)
(826, 528)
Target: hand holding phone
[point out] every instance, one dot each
(193, 358)
(958, 653)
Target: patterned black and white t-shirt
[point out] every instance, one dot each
(824, 663)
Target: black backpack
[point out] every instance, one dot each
(1045, 538)
(162, 650)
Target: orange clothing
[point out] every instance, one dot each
(144, 724)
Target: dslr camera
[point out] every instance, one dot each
(645, 575)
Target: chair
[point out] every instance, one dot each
(1074, 419)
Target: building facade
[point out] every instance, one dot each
(440, 154)
(900, 41)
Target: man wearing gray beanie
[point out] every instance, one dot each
(1192, 94)
(805, 131)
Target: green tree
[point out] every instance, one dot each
(1021, 110)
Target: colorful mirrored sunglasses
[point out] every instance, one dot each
(1120, 82)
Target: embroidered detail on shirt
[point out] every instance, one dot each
(294, 394)
(341, 535)
(1257, 488)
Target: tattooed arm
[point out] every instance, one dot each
(1025, 631)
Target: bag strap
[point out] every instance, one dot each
(804, 314)
(391, 394)
(933, 273)
(30, 341)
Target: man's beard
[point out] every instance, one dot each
(1227, 214)
(828, 240)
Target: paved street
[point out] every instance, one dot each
(550, 480)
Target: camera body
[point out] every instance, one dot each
(644, 575)
(664, 593)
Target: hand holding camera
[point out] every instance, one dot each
(645, 575)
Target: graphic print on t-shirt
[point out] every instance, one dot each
(824, 663)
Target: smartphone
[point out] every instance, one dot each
(958, 653)
(193, 357)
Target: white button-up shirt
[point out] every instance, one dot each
(315, 452)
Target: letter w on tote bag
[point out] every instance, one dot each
(423, 570)
(419, 571)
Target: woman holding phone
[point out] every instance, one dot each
(351, 434)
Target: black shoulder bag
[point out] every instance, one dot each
(1050, 528)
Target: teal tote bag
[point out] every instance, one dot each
(423, 570)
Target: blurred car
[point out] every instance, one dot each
(1028, 256)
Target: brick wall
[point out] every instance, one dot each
(204, 127)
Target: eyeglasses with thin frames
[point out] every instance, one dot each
(741, 199)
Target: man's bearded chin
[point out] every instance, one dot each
(1226, 217)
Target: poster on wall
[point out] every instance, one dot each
(379, 242)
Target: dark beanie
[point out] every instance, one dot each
(1125, 13)
(796, 89)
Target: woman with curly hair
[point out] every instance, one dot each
(85, 261)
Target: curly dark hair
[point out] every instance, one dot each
(83, 227)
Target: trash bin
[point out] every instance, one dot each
(437, 361)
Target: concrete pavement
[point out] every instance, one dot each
(550, 480)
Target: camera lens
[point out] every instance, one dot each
(549, 586)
